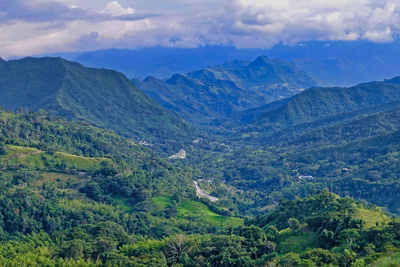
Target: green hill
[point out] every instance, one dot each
(318, 103)
(102, 97)
(318, 115)
(219, 92)
(327, 230)
(362, 126)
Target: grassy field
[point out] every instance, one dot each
(162, 202)
(371, 217)
(297, 241)
(123, 204)
(73, 181)
(34, 159)
(195, 210)
(387, 261)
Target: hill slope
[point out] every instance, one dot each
(320, 104)
(216, 93)
(102, 97)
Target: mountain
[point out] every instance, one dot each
(161, 62)
(318, 103)
(103, 97)
(343, 63)
(332, 63)
(216, 93)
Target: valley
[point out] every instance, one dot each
(217, 133)
(95, 172)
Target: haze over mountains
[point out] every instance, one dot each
(333, 63)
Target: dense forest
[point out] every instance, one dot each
(88, 197)
(309, 180)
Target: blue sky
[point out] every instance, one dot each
(31, 27)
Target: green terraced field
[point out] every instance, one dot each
(34, 159)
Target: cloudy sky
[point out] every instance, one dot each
(31, 27)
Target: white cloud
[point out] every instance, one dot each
(291, 21)
(115, 9)
(46, 26)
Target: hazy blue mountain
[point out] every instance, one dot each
(103, 97)
(161, 62)
(343, 63)
(332, 63)
(216, 93)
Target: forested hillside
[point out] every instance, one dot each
(217, 133)
(348, 145)
(102, 97)
(219, 92)
(321, 104)
(73, 194)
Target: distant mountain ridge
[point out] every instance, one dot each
(332, 63)
(103, 97)
(217, 93)
(161, 62)
(319, 103)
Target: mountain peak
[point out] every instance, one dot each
(395, 80)
(260, 61)
(176, 78)
(149, 79)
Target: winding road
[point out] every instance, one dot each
(201, 193)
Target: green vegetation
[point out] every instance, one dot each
(317, 103)
(353, 154)
(18, 157)
(385, 261)
(217, 93)
(162, 202)
(193, 209)
(72, 194)
(102, 97)
(296, 241)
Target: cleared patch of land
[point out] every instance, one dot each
(201, 193)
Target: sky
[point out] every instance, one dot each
(33, 27)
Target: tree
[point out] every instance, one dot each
(93, 190)
(321, 257)
(178, 246)
(347, 237)
(294, 224)
(326, 238)
(103, 246)
(73, 250)
(272, 233)
(289, 260)
(3, 148)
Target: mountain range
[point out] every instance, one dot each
(83, 182)
(217, 93)
(332, 63)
